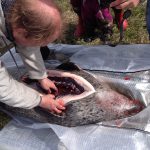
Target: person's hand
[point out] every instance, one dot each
(48, 85)
(124, 4)
(48, 102)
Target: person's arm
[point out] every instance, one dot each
(33, 61)
(123, 4)
(16, 94)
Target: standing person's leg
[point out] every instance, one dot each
(77, 5)
(97, 16)
(88, 12)
(119, 17)
(148, 17)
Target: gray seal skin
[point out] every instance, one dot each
(104, 104)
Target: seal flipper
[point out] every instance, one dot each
(68, 66)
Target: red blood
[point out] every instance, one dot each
(127, 78)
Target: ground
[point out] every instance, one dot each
(135, 33)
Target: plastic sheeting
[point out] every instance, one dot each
(102, 138)
(23, 135)
(129, 133)
(123, 58)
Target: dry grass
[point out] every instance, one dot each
(135, 33)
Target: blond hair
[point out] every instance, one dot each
(22, 15)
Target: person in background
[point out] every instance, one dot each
(121, 4)
(96, 14)
(29, 24)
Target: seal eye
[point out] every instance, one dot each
(66, 85)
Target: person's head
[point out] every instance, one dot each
(35, 22)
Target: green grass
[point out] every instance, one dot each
(136, 32)
(4, 119)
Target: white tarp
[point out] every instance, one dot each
(25, 134)
(122, 58)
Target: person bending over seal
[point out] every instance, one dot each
(29, 24)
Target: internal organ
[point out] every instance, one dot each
(66, 85)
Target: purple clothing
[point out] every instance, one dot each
(88, 9)
(93, 15)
